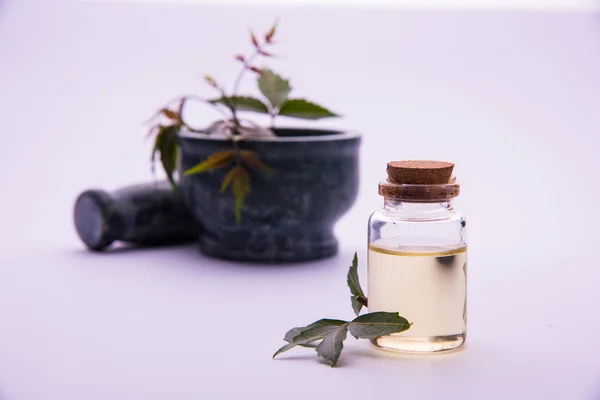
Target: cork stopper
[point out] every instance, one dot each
(420, 181)
(420, 172)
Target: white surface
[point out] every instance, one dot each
(512, 98)
(539, 5)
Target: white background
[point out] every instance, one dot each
(511, 97)
(497, 5)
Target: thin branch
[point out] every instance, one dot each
(238, 79)
(182, 106)
(247, 64)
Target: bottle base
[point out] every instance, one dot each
(426, 345)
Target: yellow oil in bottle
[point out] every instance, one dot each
(428, 287)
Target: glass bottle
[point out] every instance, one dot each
(417, 257)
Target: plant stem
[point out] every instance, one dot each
(246, 66)
(238, 80)
(183, 102)
(236, 152)
(362, 300)
(229, 105)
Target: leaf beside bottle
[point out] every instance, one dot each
(304, 335)
(376, 324)
(357, 297)
(333, 332)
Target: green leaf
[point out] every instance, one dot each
(292, 333)
(252, 159)
(242, 103)
(333, 332)
(376, 324)
(311, 333)
(274, 87)
(356, 306)
(332, 344)
(238, 179)
(354, 285)
(216, 160)
(156, 147)
(300, 108)
(240, 186)
(229, 177)
(166, 146)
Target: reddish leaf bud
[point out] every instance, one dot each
(209, 79)
(254, 41)
(269, 35)
(240, 58)
(170, 114)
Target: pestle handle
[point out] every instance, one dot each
(148, 214)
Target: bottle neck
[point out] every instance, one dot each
(422, 211)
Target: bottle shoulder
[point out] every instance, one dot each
(384, 215)
(440, 231)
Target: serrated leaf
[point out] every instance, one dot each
(332, 344)
(252, 159)
(273, 87)
(240, 186)
(376, 324)
(311, 333)
(216, 160)
(354, 285)
(353, 281)
(242, 103)
(292, 333)
(165, 146)
(356, 305)
(300, 108)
